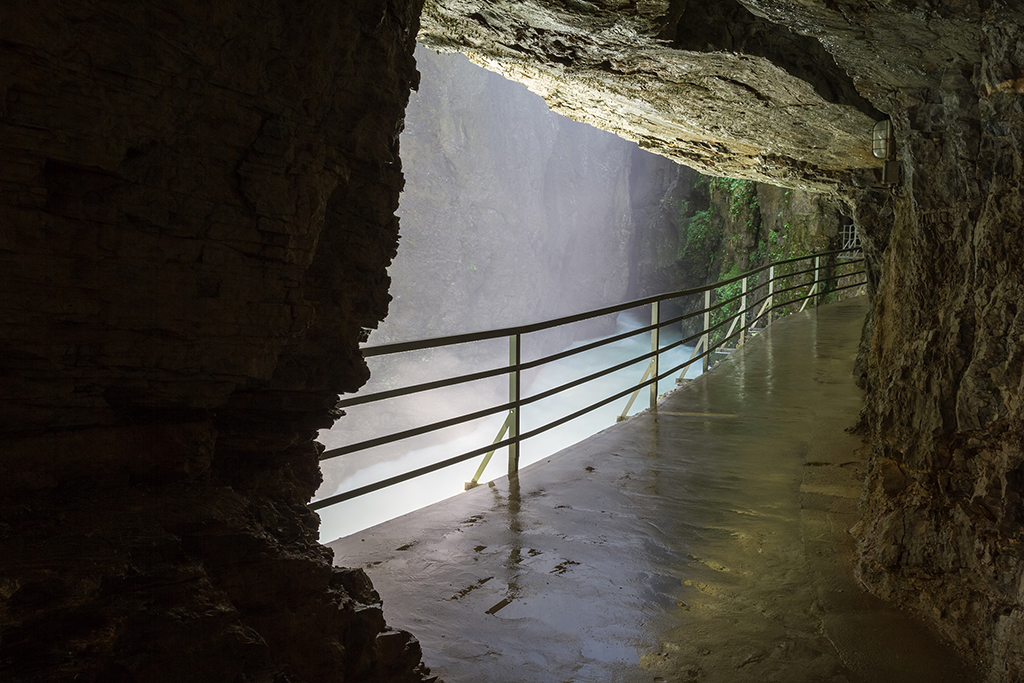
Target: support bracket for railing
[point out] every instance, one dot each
(647, 373)
(696, 350)
(705, 339)
(475, 481)
(743, 313)
(817, 278)
(514, 343)
(813, 293)
(655, 345)
(810, 294)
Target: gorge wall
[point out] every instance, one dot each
(788, 91)
(513, 214)
(196, 216)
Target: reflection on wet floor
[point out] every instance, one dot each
(706, 541)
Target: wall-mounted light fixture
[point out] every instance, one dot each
(883, 146)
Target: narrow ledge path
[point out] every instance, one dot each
(704, 541)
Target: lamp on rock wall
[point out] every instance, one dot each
(883, 146)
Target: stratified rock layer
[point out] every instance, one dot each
(709, 84)
(196, 216)
(787, 91)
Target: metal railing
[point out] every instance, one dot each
(724, 326)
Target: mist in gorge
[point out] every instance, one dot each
(510, 215)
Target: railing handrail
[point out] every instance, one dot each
(516, 365)
(450, 340)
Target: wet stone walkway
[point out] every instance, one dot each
(706, 541)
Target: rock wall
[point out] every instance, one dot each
(788, 90)
(943, 518)
(196, 216)
(709, 229)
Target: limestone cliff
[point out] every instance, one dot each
(713, 85)
(943, 525)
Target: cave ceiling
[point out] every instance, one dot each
(779, 91)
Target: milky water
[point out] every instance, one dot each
(359, 469)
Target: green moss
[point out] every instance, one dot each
(701, 234)
(742, 195)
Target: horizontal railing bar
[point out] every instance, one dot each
(790, 289)
(795, 273)
(529, 365)
(425, 386)
(855, 284)
(808, 284)
(427, 469)
(463, 379)
(412, 474)
(419, 344)
(589, 378)
(469, 417)
(837, 264)
(415, 431)
(486, 374)
(823, 279)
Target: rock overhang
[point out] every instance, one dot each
(780, 91)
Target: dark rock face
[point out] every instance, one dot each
(718, 86)
(196, 219)
(943, 518)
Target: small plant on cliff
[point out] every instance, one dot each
(701, 234)
(742, 195)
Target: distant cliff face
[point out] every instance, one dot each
(510, 214)
(513, 214)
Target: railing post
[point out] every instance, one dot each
(816, 290)
(706, 339)
(513, 397)
(655, 345)
(743, 313)
(771, 296)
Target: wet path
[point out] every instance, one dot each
(705, 542)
